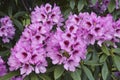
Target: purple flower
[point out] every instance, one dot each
(100, 6)
(47, 15)
(117, 73)
(67, 47)
(29, 53)
(70, 64)
(117, 28)
(3, 69)
(7, 31)
(16, 78)
(26, 69)
(117, 4)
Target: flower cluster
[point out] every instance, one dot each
(28, 54)
(96, 28)
(3, 69)
(67, 47)
(47, 15)
(7, 31)
(100, 6)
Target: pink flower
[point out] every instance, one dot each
(47, 15)
(3, 69)
(7, 31)
(26, 69)
(23, 56)
(16, 78)
(70, 64)
(29, 52)
(66, 47)
(41, 66)
(48, 8)
(14, 63)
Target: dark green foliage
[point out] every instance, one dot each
(100, 63)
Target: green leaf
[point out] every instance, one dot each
(88, 56)
(58, 72)
(27, 77)
(92, 63)
(111, 6)
(72, 4)
(9, 75)
(88, 73)
(105, 49)
(116, 60)
(116, 50)
(94, 1)
(80, 5)
(4, 53)
(18, 24)
(34, 77)
(103, 58)
(105, 71)
(10, 11)
(18, 14)
(66, 13)
(2, 13)
(51, 69)
(7, 45)
(76, 75)
(109, 43)
(44, 77)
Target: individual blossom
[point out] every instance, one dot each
(28, 54)
(3, 69)
(117, 28)
(7, 30)
(47, 15)
(117, 4)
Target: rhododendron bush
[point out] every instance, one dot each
(59, 40)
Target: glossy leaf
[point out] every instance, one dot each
(58, 72)
(88, 72)
(103, 58)
(105, 49)
(92, 63)
(18, 24)
(116, 50)
(72, 4)
(105, 71)
(44, 77)
(116, 59)
(111, 6)
(94, 1)
(80, 5)
(20, 13)
(9, 75)
(34, 77)
(76, 75)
